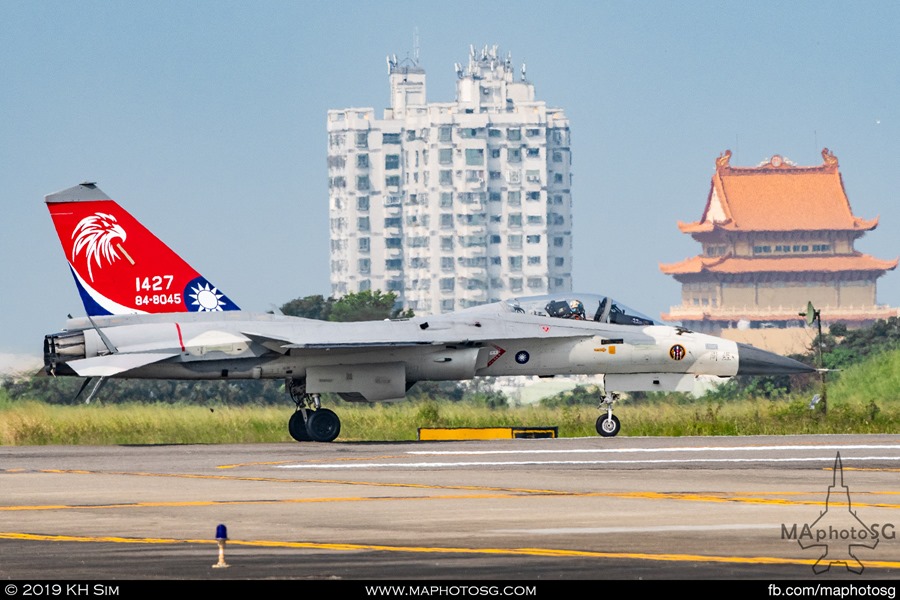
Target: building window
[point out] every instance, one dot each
(446, 177)
(447, 284)
(494, 133)
(495, 153)
(535, 282)
(494, 239)
(559, 261)
(514, 198)
(534, 260)
(533, 196)
(393, 243)
(394, 285)
(445, 156)
(446, 221)
(362, 223)
(558, 242)
(365, 285)
(533, 239)
(362, 139)
(474, 156)
(514, 241)
(515, 263)
(444, 133)
(391, 161)
(533, 153)
(535, 220)
(362, 183)
(362, 161)
(532, 132)
(362, 203)
(392, 222)
(446, 305)
(494, 196)
(392, 181)
(557, 156)
(514, 155)
(495, 260)
(515, 284)
(446, 263)
(363, 244)
(446, 199)
(390, 138)
(514, 134)
(447, 243)
(365, 265)
(393, 264)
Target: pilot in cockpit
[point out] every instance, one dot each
(573, 309)
(577, 309)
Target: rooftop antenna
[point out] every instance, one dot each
(416, 45)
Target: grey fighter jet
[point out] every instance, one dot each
(152, 316)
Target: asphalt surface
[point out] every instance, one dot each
(624, 508)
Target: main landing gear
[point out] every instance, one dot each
(311, 422)
(607, 424)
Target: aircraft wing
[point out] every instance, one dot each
(282, 344)
(410, 335)
(116, 364)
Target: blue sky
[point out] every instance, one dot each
(206, 120)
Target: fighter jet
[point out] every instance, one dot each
(150, 315)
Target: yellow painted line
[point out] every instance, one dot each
(775, 497)
(543, 552)
(202, 503)
(323, 481)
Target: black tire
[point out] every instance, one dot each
(297, 428)
(323, 425)
(608, 425)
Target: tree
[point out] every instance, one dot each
(309, 307)
(367, 306)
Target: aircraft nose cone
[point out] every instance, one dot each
(753, 361)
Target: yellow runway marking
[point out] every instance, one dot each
(543, 552)
(201, 503)
(771, 497)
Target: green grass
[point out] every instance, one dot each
(33, 423)
(864, 399)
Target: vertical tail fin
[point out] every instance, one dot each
(119, 266)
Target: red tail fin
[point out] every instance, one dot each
(119, 266)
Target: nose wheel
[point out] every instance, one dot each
(608, 424)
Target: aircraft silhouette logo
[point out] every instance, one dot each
(838, 532)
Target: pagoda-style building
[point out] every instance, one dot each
(775, 237)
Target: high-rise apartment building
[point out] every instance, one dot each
(451, 204)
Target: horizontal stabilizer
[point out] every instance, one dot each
(115, 364)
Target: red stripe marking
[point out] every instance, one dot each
(180, 340)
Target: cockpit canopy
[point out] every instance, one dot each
(584, 307)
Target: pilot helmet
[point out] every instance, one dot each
(577, 307)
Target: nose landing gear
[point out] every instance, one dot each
(608, 424)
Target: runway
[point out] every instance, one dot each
(516, 510)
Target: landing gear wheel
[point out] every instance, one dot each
(297, 427)
(608, 425)
(323, 425)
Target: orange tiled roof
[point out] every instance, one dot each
(786, 264)
(778, 196)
